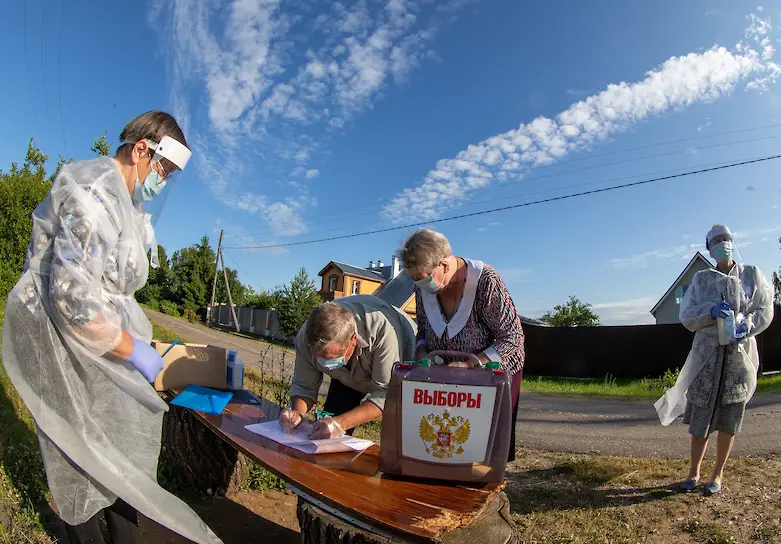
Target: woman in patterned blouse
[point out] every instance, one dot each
(463, 305)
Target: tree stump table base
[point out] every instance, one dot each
(194, 457)
(319, 525)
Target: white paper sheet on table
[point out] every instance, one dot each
(300, 441)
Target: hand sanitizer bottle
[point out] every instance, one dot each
(726, 327)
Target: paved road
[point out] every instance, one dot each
(631, 428)
(561, 423)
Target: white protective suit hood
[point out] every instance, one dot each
(99, 420)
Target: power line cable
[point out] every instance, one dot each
(551, 190)
(43, 71)
(548, 176)
(611, 153)
(253, 280)
(59, 75)
(27, 59)
(514, 206)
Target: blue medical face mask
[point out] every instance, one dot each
(722, 251)
(153, 185)
(428, 284)
(331, 364)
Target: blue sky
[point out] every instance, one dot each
(310, 120)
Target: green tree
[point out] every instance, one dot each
(102, 146)
(573, 313)
(238, 290)
(193, 271)
(265, 300)
(296, 301)
(21, 190)
(160, 285)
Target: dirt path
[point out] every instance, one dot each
(566, 424)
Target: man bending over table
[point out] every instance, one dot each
(355, 340)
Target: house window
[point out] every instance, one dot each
(356, 287)
(332, 284)
(680, 291)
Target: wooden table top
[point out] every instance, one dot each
(420, 511)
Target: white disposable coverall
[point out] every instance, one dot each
(99, 421)
(749, 293)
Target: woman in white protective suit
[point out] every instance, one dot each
(717, 381)
(76, 343)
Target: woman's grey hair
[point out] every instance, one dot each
(424, 250)
(328, 323)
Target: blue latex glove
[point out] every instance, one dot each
(741, 332)
(146, 360)
(720, 310)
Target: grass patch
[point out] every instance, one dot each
(646, 388)
(768, 384)
(164, 335)
(558, 497)
(260, 479)
(22, 479)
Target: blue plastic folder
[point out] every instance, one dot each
(203, 399)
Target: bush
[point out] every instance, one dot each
(670, 377)
(169, 308)
(153, 305)
(190, 315)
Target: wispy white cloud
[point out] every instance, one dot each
(312, 173)
(579, 92)
(679, 82)
(488, 226)
(742, 237)
(635, 311)
(684, 252)
(261, 83)
(642, 260)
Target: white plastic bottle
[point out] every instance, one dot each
(727, 328)
(238, 375)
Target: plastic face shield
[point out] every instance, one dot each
(176, 157)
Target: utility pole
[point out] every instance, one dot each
(228, 289)
(214, 282)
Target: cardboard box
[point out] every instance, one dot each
(195, 364)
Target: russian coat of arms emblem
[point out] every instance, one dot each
(444, 435)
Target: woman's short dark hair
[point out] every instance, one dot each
(152, 125)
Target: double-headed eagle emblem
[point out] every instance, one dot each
(443, 435)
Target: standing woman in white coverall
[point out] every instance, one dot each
(717, 381)
(76, 343)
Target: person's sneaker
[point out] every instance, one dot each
(713, 487)
(689, 485)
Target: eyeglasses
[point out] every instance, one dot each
(164, 174)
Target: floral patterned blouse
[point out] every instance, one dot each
(486, 320)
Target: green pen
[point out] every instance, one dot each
(320, 414)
